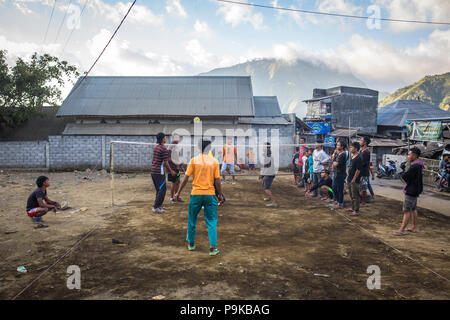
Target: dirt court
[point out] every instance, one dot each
(265, 253)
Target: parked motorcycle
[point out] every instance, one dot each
(444, 184)
(390, 171)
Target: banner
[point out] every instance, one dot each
(424, 130)
(319, 127)
(330, 141)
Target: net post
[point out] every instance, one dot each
(111, 170)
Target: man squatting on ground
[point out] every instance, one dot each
(205, 173)
(160, 160)
(267, 174)
(354, 177)
(324, 185)
(412, 190)
(38, 203)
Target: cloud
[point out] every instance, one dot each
(339, 6)
(174, 7)
(428, 10)
(236, 14)
(201, 29)
(380, 61)
(123, 59)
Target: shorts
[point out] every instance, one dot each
(225, 166)
(296, 171)
(364, 184)
(32, 212)
(307, 177)
(175, 178)
(251, 166)
(267, 182)
(410, 203)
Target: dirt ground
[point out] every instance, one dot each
(265, 253)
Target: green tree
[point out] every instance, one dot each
(30, 84)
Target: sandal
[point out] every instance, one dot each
(40, 226)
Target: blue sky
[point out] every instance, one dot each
(185, 37)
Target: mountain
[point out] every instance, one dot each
(291, 82)
(432, 89)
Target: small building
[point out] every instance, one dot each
(343, 107)
(392, 118)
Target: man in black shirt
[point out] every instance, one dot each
(36, 206)
(340, 173)
(354, 177)
(365, 169)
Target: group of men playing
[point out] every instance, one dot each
(317, 172)
(320, 174)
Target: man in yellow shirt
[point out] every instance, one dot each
(205, 172)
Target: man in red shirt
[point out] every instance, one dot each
(160, 160)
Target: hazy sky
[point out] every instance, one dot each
(186, 37)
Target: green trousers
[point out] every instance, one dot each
(209, 202)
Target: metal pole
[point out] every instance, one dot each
(111, 167)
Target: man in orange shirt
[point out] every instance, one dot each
(229, 159)
(205, 172)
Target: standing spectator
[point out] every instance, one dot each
(354, 177)
(340, 173)
(365, 168)
(160, 160)
(320, 158)
(301, 152)
(229, 159)
(295, 169)
(369, 185)
(412, 190)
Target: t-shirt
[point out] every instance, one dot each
(365, 163)
(323, 182)
(301, 152)
(319, 157)
(160, 154)
(32, 201)
(341, 159)
(174, 157)
(311, 165)
(204, 170)
(228, 154)
(355, 164)
(294, 161)
(306, 166)
(251, 157)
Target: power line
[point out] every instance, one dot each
(331, 14)
(62, 22)
(101, 53)
(73, 29)
(49, 22)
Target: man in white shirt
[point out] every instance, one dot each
(320, 158)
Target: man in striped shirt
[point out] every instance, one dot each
(160, 160)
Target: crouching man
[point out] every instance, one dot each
(38, 203)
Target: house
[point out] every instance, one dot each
(392, 118)
(105, 109)
(343, 107)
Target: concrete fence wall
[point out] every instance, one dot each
(79, 152)
(26, 154)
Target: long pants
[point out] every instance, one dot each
(209, 202)
(354, 195)
(369, 187)
(316, 179)
(300, 168)
(159, 180)
(338, 187)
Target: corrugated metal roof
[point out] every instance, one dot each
(266, 106)
(113, 129)
(386, 143)
(265, 120)
(397, 113)
(343, 132)
(160, 96)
